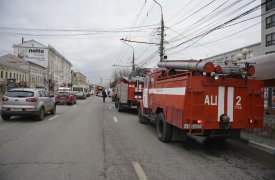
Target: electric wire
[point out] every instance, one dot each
(217, 27)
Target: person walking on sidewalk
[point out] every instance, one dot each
(104, 95)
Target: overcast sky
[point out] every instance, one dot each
(101, 23)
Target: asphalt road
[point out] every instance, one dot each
(91, 140)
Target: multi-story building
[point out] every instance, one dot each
(37, 76)
(12, 67)
(80, 79)
(73, 77)
(58, 68)
(268, 27)
(240, 53)
(266, 46)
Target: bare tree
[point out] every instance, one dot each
(118, 74)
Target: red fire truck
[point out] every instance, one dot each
(128, 92)
(202, 99)
(98, 90)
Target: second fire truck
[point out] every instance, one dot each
(128, 92)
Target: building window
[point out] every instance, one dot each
(14, 75)
(270, 21)
(270, 4)
(270, 39)
(10, 75)
(1, 74)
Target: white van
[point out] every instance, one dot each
(79, 91)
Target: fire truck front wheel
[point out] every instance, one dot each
(164, 130)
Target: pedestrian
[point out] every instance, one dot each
(104, 95)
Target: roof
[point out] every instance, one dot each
(12, 61)
(31, 43)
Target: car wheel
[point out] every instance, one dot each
(41, 115)
(164, 130)
(53, 110)
(5, 117)
(141, 118)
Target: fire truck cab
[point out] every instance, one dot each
(201, 102)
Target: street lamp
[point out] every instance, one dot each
(133, 65)
(161, 34)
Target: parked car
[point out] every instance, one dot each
(27, 102)
(65, 97)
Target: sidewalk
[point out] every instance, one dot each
(263, 139)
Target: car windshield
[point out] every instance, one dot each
(77, 89)
(19, 94)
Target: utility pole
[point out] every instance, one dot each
(161, 54)
(133, 61)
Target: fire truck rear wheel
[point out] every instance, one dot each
(119, 107)
(164, 130)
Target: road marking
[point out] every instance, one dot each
(115, 119)
(110, 107)
(53, 117)
(139, 171)
(74, 106)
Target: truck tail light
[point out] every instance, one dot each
(200, 121)
(4, 98)
(33, 99)
(250, 120)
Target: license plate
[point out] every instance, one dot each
(16, 109)
(133, 106)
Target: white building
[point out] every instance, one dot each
(58, 68)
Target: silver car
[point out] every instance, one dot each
(27, 102)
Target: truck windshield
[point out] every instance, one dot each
(77, 89)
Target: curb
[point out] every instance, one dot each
(263, 147)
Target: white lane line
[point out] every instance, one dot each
(110, 107)
(74, 106)
(53, 117)
(139, 171)
(115, 119)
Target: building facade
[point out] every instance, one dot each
(13, 68)
(268, 27)
(37, 75)
(80, 79)
(58, 68)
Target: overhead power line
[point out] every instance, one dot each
(193, 13)
(112, 30)
(218, 27)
